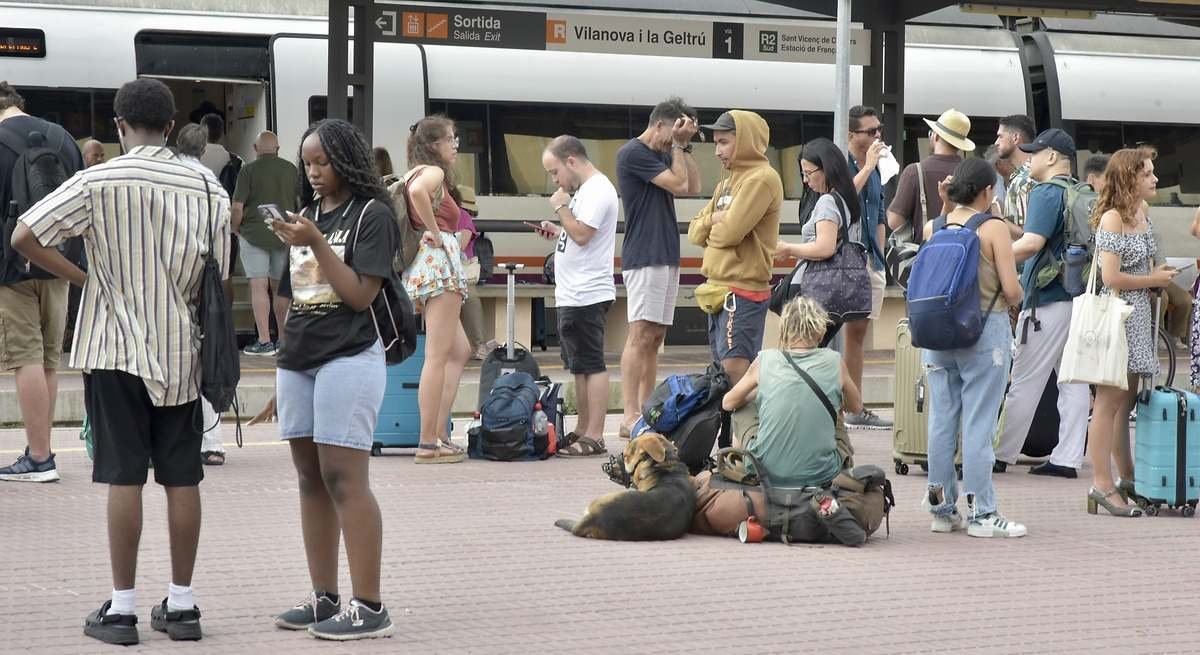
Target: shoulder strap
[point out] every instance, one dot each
(813, 385)
(939, 223)
(357, 230)
(978, 220)
(918, 228)
(212, 232)
(13, 141)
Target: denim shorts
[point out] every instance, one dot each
(337, 404)
(259, 263)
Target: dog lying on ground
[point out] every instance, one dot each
(659, 507)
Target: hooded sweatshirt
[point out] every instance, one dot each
(739, 250)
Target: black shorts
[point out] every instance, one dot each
(130, 432)
(581, 337)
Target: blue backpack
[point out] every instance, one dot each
(943, 287)
(678, 397)
(505, 430)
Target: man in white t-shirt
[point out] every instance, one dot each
(586, 203)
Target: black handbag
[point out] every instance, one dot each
(841, 283)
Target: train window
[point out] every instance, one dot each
(71, 109)
(318, 108)
(1178, 146)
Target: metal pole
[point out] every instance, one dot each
(841, 96)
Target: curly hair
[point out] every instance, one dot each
(422, 143)
(803, 323)
(145, 103)
(1121, 183)
(350, 156)
(10, 98)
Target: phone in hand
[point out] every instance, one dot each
(272, 212)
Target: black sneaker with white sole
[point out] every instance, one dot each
(357, 621)
(25, 469)
(118, 629)
(314, 609)
(180, 625)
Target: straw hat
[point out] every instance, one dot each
(468, 198)
(953, 126)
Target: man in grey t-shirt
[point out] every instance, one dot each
(651, 170)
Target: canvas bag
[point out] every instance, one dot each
(1096, 351)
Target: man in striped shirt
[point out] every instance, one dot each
(147, 221)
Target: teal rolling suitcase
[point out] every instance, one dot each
(1167, 450)
(399, 424)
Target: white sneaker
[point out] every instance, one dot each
(948, 523)
(994, 525)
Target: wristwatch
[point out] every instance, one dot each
(687, 149)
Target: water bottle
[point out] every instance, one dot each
(541, 424)
(474, 424)
(1076, 269)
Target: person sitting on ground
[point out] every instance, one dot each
(778, 418)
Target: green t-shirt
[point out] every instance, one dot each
(796, 441)
(267, 179)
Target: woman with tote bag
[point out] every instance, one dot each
(1125, 251)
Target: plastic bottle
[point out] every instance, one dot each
(541, 424)
(474, 424)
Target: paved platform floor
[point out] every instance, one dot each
(474, 564)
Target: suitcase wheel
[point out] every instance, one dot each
(1151, 510)
(901, 468)
(376, 450)
(1188, 511)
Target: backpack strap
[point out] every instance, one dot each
(973, 224)
(813, 385)
(13, 141)
(919, 227)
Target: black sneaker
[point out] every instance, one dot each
(267, 349)
(357, 621)
(119, 629)
(999, 466)
(313, 609)
(1046, 468)
(180, 625)
(27, 470)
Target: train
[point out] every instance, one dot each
(1113, 81)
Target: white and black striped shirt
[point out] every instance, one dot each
(147, 227)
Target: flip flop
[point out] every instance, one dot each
(584, 447)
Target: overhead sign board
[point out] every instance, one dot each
(615, 34)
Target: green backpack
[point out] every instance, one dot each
(410, 237)
(1073, 265)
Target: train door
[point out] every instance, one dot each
(223, 74)
(299, 67)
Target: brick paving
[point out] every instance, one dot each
(474, 564)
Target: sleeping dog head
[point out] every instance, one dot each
(647, 456)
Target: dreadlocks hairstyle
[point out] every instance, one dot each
(350, 156)
(1121, 182)
(422, 141)
(803, 323)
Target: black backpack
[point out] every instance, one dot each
(220, 369)
(486, 254)
(229, 173)
(40, 168)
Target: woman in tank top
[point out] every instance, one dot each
(968, 383)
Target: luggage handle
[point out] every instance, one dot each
(1147, 381)
(511, 267)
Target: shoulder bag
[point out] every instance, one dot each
(841, 283)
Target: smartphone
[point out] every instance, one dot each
(272, 212)
(535, 226)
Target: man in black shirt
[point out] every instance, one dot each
(33, 310)
(651, 170)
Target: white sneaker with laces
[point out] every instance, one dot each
(994, 525)
(948, 523)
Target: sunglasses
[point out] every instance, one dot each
(875, 130)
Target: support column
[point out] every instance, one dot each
(883, 80)
(360, 78)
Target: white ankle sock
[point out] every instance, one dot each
(124, 601)
(179, 598)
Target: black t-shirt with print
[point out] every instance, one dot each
(320, 327)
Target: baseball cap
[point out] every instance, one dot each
(724, 123)
(1053, 138)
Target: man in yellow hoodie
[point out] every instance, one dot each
(738, 229)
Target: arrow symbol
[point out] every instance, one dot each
(386, 23)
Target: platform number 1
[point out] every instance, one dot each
(727, 41)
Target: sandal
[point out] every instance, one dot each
(440, 455)
(450, 445)
(212, 458)
(583, 447)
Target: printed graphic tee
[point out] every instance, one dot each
(583, 275)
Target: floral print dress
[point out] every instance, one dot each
(1137, 254)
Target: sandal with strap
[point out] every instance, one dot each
(450, 445)
(583, 447)
(440, 455)
(212, 458)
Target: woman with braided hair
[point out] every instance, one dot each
(331, 374)
(437, 282)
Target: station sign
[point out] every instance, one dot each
(784, 41)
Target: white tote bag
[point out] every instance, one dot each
(1097, 351)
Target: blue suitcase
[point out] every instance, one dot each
(399, 424)
(1167, 450)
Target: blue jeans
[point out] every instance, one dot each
(966, 386)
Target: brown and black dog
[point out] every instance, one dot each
(660, 506)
